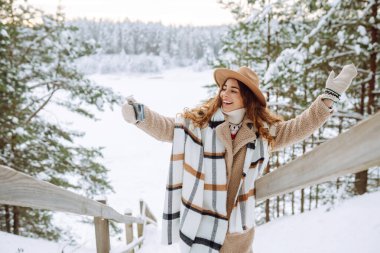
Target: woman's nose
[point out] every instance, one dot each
(227, 92)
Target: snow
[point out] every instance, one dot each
(20, 131)
(4, 33)
(357, 49)
(349, 226)
(341, 37)
(10, 243)
(362, 30)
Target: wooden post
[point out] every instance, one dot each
(129, 230)
(140, 227)
(149, 214)
(102, 234)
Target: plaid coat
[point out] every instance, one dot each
(195, 211)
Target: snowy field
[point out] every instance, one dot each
(138, 166)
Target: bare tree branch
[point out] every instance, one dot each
(42, 106)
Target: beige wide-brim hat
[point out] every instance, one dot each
(244, 75)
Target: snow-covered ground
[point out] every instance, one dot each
(138, 166)
(351, 226)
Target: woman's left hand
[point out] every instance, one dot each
(336, 86)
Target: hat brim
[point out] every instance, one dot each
(222, 74)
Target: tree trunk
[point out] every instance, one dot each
(310, 196)
(278, 197)
(337, 184)
(316, 195)
(292, 203)
(361, 180)
(16, 220)
(267, 209)
(373, 65)
(7, 219)
(359, 184)
(303, 190)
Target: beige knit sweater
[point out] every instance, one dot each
(285, 133)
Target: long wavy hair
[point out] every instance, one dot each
(255, 111)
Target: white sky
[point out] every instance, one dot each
(178, 12)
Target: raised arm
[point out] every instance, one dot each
(154, 124)
(299, 128)
(291, 131)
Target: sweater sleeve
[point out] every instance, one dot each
(299, 128)
(157, 126)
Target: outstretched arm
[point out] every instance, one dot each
(299, 128)
(154, 124)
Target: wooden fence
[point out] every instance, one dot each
(19, 189)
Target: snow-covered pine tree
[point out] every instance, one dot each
(37, 52)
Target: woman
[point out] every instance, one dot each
(219, 150)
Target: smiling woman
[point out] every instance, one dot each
(219, 150)
(169, 12)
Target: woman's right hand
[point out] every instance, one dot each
(128, 110)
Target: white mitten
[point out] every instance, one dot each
(336, 86)
(128, 110)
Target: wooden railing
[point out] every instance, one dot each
(355, 150)
(19, 189)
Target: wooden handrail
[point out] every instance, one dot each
(19, 189)
(355, 150)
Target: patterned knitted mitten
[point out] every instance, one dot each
(336, 86)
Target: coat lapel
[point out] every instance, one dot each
(246, 134)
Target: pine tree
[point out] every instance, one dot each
(37, 54)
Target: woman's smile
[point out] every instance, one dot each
(230, 95)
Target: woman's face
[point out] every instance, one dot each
(231, 96)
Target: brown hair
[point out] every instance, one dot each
(255, 111)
